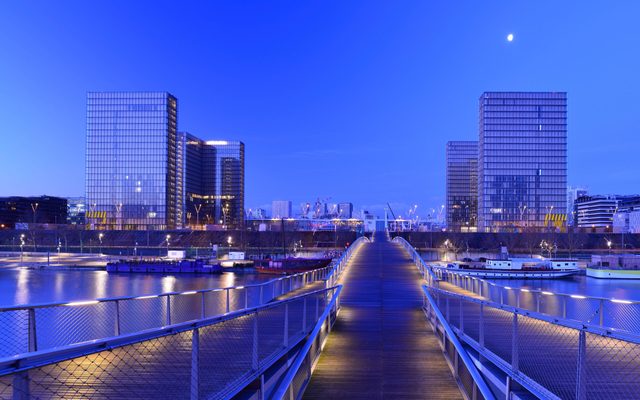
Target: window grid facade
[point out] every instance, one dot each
(132, 181)
(522, 169)
(462, 185)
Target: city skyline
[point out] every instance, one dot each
(417, 90)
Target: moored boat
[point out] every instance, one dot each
(614, 266)
(518, 268)
(293, 265)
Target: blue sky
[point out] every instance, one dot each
(347, 100)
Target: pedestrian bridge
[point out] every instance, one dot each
(378, 323)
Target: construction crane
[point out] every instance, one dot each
(390, 210)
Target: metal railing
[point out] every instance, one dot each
(44, 326)
(334, 274)
(549, 357)
(299, 374)
(464, 370)
(212, 358)
(618, 314)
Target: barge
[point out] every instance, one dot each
(164, 266)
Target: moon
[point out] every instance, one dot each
(510, 37)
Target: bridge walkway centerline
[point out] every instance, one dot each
(381, 345)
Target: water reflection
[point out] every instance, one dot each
(23, 286)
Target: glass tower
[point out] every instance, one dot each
(229, 182)
(522, 168)
(462, 185)
(133, 173)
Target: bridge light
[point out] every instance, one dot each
(621, 301)
(577, 296)
(82, 303)
(548, 293)
(146, 297)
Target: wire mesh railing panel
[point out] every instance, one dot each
(622, 316)
(64, 325)
(157, 368)
(14, 326)
(271, 332)
(498, 332)
(215, 302)
(142, 313)
(586, 310)
(612, 368)
(237, 298)
(296, 310)
(548, 354)
(226, 356)
(471, 320)
(185, 307)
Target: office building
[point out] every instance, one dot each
(20, 212)
(573, 193)
(462, 185)
(596, 212)
(345, 210)
(76, 210)
(132, 170)
(522, 163)
(213, 176)
(281, 209)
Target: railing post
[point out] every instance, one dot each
(285, 341)
(195, 363)
(501, 295)
(461, 317)
(564, 307)
(246, 297)
(33, 339)
(254, 358)
(481, 328)
(21, 390)
(168, 310)
(304, 315)
(601, 312)
(581, 373)
(515, 343)
(317, 307)
(117, 321)
(538, 296)
(228, 302)
(203, 314)
(261, 294)
(447, 308)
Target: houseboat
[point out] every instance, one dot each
(518, 268)
(614, 266)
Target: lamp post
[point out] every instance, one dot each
(21, 248)
(34, 208)
(197, 207)
(167, 240)
(522, 209)
(135, 250)
(100, 236)
(229, 242)
(609, 244)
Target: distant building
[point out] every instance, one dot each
(573, 193)
(281, 209)
(627, 216)
(76, 210)
(132, 176)
(596, 211)
(345, 210)
(522, 164)
(16, 211)
(462, 185)
(260, 213)
(213, 175)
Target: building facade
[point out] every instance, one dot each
(16, 211)
(132, 170)
(462, 185)
(76, 210)
(573, 193)
(596, 212)
(522, 166)
(281, 209)
(345, 210)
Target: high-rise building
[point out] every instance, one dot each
(345, 210)
(281, 209)
(213, 182)
(462, 185)
(132, 170)
(522, 165)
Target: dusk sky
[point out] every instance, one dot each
(352, 101)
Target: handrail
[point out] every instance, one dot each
(286, 383)
(338, 267)
(462, 353)
(145, 296)
(36, 359)
(565, 322)
(542, 291)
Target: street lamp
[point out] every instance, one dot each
(100, 236)
(167, 240)
(34, 207)
(197, 207)
(21, 247)
(609, 244)
(229, 242)
(135, 249)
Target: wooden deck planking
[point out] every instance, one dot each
(381, 345)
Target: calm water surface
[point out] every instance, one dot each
(37, 286)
